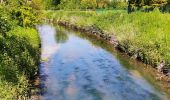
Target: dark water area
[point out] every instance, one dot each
(79, 67)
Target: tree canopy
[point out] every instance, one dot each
(109, 4)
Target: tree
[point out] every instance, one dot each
(36, 4)
(56, 2)
(88, 4)
(1, 1)
(102, 3)
(69, 4)
(147, 2)
(25, 13)
(148, 5)
(117, 4)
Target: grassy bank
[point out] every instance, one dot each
(19, 58)
(19, 49)
(144, 36)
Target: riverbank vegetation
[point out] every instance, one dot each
(19, 47)
(140, 26)
(140, 34)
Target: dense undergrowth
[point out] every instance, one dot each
(19, 48)
(142, 35)
(18, 61)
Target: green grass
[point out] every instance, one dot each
(144, 34)
(19, 58)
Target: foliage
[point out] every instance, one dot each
(6, 23)
(19, 46)
(88, 4)
(36, 5)
(25, 16)
(84, 4)
(103, 3)
(69, 4)
(152, 4)
(51, 4)
(117, 5)
(25, 13)
(18, 61)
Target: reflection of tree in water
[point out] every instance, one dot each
(97, 42)
(61, 36)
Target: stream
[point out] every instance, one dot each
(76, 66)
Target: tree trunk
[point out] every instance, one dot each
(1, 1)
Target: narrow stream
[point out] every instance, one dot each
(76, 68)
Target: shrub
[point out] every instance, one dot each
(18, 61)
(6, 23)
(19, 47)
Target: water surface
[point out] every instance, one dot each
(75, 67)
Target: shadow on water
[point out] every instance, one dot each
(82, 67)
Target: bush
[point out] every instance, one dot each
(19, 47)
(6, 23)
(117, 5)
(26, 43)
(18, 61)
(26, 16)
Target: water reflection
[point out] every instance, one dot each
(84, 68)
(61, 35)
(137, 69)
(49, 46)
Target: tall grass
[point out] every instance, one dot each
(144, 34)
